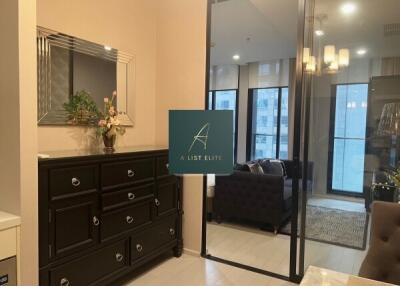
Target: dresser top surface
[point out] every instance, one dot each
(64, 154)
(8, 220)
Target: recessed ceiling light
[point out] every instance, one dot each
(348, 8)
(361, 52)
(319, 33)
(107, 48)
(236, 57)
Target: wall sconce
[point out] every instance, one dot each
(329, 54)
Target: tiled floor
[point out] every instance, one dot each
(267, 251)
(196, 271)
(235, 244)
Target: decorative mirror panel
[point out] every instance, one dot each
(73, 71)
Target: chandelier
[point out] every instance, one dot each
(332, 62)
(328, 60)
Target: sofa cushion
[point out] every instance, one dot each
(273, 167)
(282, 165)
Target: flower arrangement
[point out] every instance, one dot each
(109, 125)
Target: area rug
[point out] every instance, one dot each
(334, 226)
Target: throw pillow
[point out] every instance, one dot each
(284, 173)
(273, 167)
(241, 167)
(256, 168)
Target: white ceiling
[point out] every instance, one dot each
(269, 24)
(267, 29)
(363, 29)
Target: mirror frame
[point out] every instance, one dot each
(46, 39)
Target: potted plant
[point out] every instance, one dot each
(81, 108)
(388, 189)
(109, 125)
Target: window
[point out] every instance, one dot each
(347, 139)
(268, 123)
(225, 100)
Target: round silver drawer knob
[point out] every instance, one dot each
(64, 282)
(119, 257)
(157, 202)
(172, 231)
(139, 247)
(131, 173)
(96, 221)
(129, 219)
(75, 182)
(131, 196)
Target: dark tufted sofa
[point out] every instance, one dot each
(260, 198)
(382, 262)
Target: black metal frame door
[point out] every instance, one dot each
(296, 259)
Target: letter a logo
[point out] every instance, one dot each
(201, 136)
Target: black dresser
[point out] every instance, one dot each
(101, 216)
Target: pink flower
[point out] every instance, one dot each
(114, 93)
(106, 99)
(102, 123)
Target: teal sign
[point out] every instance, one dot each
(201, 142)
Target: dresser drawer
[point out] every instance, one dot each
(127, 196)
(117, 222)
(153, 238)
(162, 166)
(92, 268)
(127, 172)
(64, 182)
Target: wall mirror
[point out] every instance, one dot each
(70, 68)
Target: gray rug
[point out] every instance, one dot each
(334, 226)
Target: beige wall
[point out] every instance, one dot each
(28, 142)
(9, 112)
(181, 58)
(128, 25)
(18, 145)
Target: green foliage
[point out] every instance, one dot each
(394, 177)
(81, 108)
(391, 183)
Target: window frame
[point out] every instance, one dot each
(249, 140)
(213, 97)
(332, 115)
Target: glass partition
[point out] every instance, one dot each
(252, 71)
(351, 87)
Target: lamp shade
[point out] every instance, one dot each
(344, 57)
(329, 54)
(311, 65)
(306, 55)
(389, 123)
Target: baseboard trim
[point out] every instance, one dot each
(191, 252)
